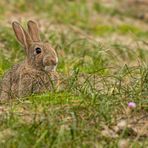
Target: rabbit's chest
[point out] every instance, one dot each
(35, 82)
(27, 83)
(41, 83)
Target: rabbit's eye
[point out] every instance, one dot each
(38, 50)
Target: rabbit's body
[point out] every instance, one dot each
(22, 81)
(36, 74)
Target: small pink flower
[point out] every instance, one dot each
(131, 105)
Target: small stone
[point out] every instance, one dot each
(123, 143)
(122, 124)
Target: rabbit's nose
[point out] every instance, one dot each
(53, 61)
(49, 61)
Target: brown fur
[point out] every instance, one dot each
(36, 74)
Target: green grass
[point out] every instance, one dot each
(102, 73)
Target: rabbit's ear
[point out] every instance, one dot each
(33, 31)
(22, 36)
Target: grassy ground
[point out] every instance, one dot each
(103, 57)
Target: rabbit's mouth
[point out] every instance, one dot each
(51, 68)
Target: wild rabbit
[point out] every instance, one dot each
(37, 73)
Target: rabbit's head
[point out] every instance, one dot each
(40, 55)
